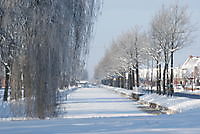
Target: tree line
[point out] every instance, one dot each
(43, 46)
(170, 30)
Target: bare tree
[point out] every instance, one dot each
(171, 30)
(179, 33)
(124, 56)
(44, 45)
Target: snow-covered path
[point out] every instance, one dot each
(99, 102)
(101, 111)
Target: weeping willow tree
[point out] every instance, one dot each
(44, 44)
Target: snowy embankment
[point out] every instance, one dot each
(6, 108)
(63, 93)
(174, 104)
(16, 110)
(126, 92)
(12, 110)
(177, 104)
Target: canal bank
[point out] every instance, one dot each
(163, 103)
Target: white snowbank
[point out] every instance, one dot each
(191, 92)
(173, 103)
(15, 110)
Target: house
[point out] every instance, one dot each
(191, 71)
(187, 75)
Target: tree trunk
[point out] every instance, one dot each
(118, 81)
(164, 79)
(133, 77)
(157, 76)
(121, 82)
(130, 82)
(137, 75)
(152, 75)
(172, 74)
(167, 70)
(111, 82)
(124, 76)
(159, 79)
(5, 97)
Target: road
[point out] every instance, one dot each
(102, 111)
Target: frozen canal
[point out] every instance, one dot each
(102, 111)
(99, 102)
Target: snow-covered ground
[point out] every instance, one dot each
(10, 110)
(98, 102)
(15, 110)
(192, 92)
(165, 124)
(174, 103)
(100, 111)
(177, 104)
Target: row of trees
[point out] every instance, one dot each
(170, 30)
(43, 45)
(125, 55)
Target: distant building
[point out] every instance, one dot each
(187, 75)
(191, 70)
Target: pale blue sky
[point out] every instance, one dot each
(120, 15)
